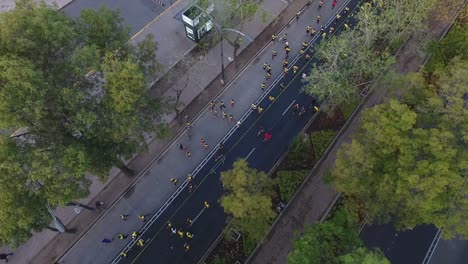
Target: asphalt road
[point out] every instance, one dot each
(161, 246)
(135, 13)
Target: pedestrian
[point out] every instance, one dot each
(295, 108)
(122, 236)
(304, 45)
(271, 98)
(202, 141)
(221, 105)
(324, 35)
(107, 240)
(238, 124)
(224, 115)
(190, 188)
(285, 70)
(285, 37)
(308, 29)
(286, 45)
(273, 37)
(322, 29)
(186, 247)
(285, 63)
(206, 204)
(232, 102)
(273, 54)
(123, 217)
(206, 145)
(263, 86)
(189, 221)
(346, 26)
(316, 108)
(142, 218)
(295, 68)
(338, 18)
(174, 180)
(231, 118)
(260, 110)
(99, 205)
(287, 51)
(304, 75)
(123, 254)
(346, 10)
(332, 29)
(298, 14)
(320, 4)
(173, 230)
(4, 256)
(168, 224)
(282, 86)
(212, 105)
(189, 154)
(268, 69)
(312, 32)
(302, 111)
(181, 233)
(215, 112)
(268, 76)
(141, 242)
(181, 147)
(319, 17)
(334, 4)
(265, 65)
(135, 234)
(190, 177)
(189, 235)
(254, 106)
(307, 56)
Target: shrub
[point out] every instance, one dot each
(321, 140)
(348, 108)
(288, 182)
(299, 148)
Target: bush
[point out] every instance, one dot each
(348, 108)
(299, 148)
(288, 182)
(249, 245)
(321, 140)
(218, 260)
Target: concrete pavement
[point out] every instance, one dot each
(6, 5)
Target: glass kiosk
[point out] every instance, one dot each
(197, 23)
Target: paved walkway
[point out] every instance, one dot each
(46, 246)
(6, 5)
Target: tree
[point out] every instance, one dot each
(453, 45)
(76, 95)
(324, 242)
(351, 61)
(408, 161)
(363, 255)
(248, 199)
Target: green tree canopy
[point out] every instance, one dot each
(324, 242)
(76, 94)
(248, 199)
(363, 255)
(408, 161)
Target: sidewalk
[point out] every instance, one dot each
(7, 5)
(46, 246)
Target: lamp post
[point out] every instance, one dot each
(57, 222)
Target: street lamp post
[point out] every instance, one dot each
(57, 222)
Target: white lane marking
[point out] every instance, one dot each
(198, 215)
(288, 107)
(250, 153)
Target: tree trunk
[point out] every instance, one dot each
(126, 170)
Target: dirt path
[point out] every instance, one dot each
(315, 196)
